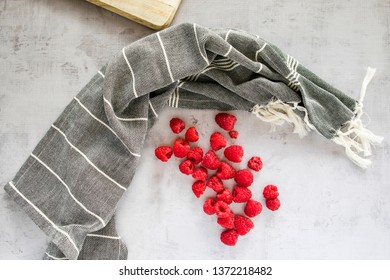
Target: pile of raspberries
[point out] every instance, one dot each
(210, 171)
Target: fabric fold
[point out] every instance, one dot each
(73, 180)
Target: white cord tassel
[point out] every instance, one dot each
(306, 117)
(354, 136)
(277, 112)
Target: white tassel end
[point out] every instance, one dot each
(277, 112)
(354, 137)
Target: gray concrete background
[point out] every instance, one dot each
(331, 209)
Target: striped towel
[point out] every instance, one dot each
(71, 183)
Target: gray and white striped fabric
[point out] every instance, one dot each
(71, 183)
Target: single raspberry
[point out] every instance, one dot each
(225, 121)
(198, 188)
(200, 174)
(195, 155)
(244, 178)
(225, 196)
(217, 141)
(241, 194)
(222, 209)
(192, 135)
(209, 206)
(163, 153)
(177, 125)
(180, 148)
(225, 171)
(226, 222)
(270, 192)
(255, 163)
(243, 224)
(233, 134)
(253, 208)
(187, 167)
(215, 183)
(234, 153)
(210, 160)
(229, 237)
(272, 204)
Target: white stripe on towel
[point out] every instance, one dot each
(227, 34)
(103, 123)
(197, 41)
(67, 187)
(230, 49)
(166, 57)
(87, 159)
(151, 107)
(103, 236)
(101, 74)
(261, 68)
(124, 119)
(131, 71)
(45, 217)
(55, 258)
(260, 50)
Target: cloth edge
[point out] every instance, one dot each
(62, 242)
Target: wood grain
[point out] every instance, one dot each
(155, 14)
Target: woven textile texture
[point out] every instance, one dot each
(71, 183)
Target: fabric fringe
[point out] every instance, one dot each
(353, 136)
(277, 112)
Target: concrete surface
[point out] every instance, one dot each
(330, 208)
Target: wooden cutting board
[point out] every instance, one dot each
(155, 14)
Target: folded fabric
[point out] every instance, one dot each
(71, 183)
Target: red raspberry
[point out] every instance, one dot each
(233, 134)
(211, 161)
(253, 208)
(215, 183)
(225, 196)
(180, 148)
(229, 237)
(177, 125)
(217, 141)
(187, 167)
(222, 210)
(225, 121)
(192, 135)
(243, 224)
(200, 174)
(234, 153)
(244, 178)
(272, 204)
(198, 188)
(163, 153)
(195, 155)
(241, 194)
(225, 171)
(255, 163)
(226, 222)
(209, 206)
(270, 192)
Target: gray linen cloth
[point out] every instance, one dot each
(71, 183)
